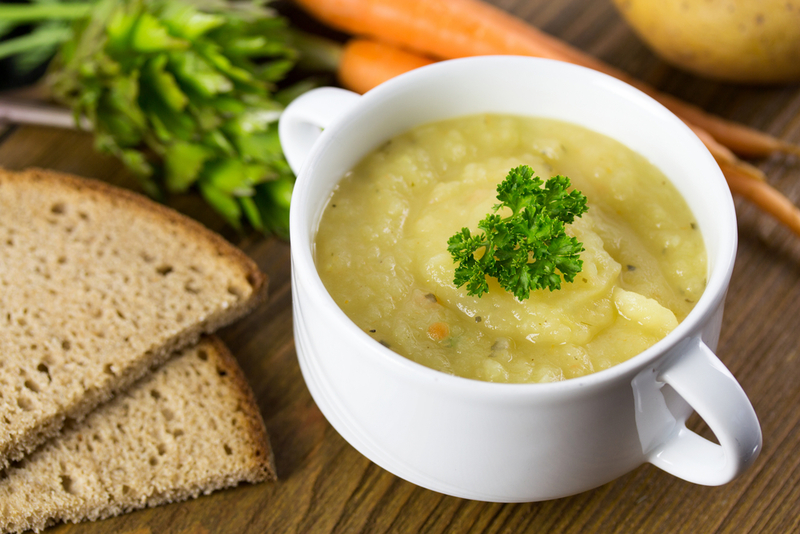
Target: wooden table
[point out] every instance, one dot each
(326, 486)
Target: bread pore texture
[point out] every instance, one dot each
(190, 427)
(98, 285)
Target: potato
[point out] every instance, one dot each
(751, 41)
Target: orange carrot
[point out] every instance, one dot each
(745, 141)
(722, 154)
(449, 29)
(438, 331)
(365, 64)
(765, 197)
(445, 29)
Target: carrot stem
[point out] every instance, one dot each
(316, 53)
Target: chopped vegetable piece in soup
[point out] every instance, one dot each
(381, 251)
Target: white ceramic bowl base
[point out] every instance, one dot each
(516, 442)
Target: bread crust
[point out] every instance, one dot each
(257, 279)
(132, 435)
(16, 444)
(249, 407)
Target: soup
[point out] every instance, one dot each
(381, 251)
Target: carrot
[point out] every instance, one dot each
(745, 141)
(445, 29)
(765, 197)
(722, 154)
(438, 331)
(365, 64)
(448, 29)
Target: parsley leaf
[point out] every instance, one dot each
(528, 249)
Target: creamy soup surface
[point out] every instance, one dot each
(381, 251)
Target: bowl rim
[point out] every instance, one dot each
(303, 228)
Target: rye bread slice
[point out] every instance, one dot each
(97, 285)
(190, 427)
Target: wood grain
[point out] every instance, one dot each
(327, 487)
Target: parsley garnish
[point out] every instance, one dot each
(527, 249)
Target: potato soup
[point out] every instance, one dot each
(381, 251)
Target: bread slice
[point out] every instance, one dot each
(97, 285)
(190, 427)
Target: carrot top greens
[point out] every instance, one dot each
(528, 249)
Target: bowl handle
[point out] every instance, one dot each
(303, 120)
(701, 379)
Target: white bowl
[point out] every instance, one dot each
(516, 442)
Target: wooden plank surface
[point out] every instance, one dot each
(325, 486)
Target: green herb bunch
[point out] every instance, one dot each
(181, 91)
(529, 249)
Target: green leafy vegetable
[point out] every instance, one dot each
(527, 249)
(182, 92)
